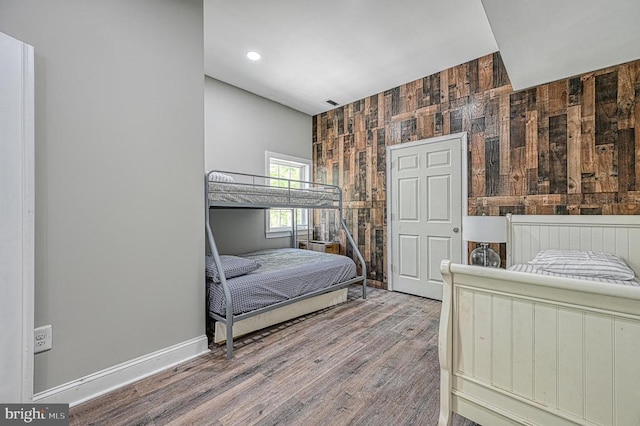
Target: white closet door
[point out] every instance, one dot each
(426, 213)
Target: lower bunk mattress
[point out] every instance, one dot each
(283, 274)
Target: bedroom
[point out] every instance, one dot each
(97, 131)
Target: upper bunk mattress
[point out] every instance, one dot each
(283, 274)
(242, 194)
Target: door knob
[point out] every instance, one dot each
(456, 229)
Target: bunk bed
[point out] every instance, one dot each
(541, 348)
(255, 290)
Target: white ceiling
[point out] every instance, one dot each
(345, 50)
(547, 40)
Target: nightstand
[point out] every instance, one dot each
(323, 246)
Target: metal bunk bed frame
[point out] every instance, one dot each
(229, 317)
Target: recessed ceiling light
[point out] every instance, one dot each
(254, 56)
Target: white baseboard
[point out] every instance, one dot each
(112, 378)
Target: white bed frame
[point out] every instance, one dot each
(518, 348)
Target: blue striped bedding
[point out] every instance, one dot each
(532, 269)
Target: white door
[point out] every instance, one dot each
(426, 183)
(16, 220)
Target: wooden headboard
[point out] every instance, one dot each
(617, 234)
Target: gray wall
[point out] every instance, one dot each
(119, 163)
(239, 128)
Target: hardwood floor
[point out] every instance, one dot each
(365, 362)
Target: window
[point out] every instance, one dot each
(279, 166)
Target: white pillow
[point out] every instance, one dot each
(583, 263)
(220, 177)
(233, 266)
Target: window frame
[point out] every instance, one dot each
(306, 166)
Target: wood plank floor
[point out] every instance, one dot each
(365, 362)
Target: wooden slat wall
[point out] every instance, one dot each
(568, 147)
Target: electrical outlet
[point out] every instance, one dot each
(42, 339)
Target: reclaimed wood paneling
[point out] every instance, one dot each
(517, 177)
(637, 136)
(606, 108)
(531, 152)
(543, 139)
(477, 151)
(574, 151)
(626, 97)
(517, 119)
(500, 77)
(485, 73)
(588, 134)
(567, 147)
(575, 91)
(558, 154)
(492, 166)
(504, 136)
